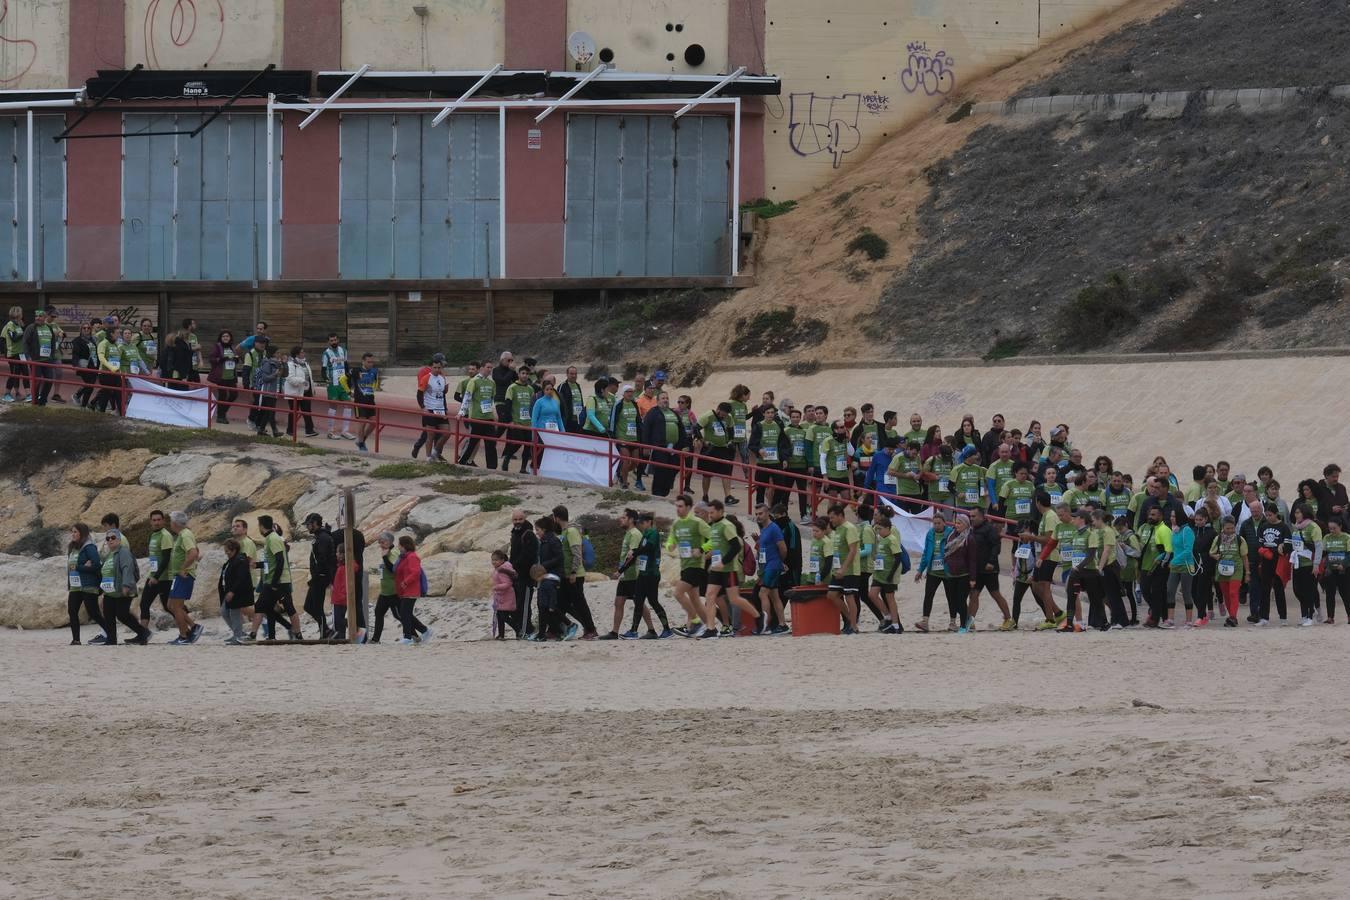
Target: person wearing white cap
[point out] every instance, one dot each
(624, 420)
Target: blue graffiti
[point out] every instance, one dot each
(821, 124)
(927, 71)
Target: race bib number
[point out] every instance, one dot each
(890, 479)
(1298, 545)
(74, 580)
(939, 564)
(1076, 557)
(154, 564)
(114, 364)
(45, 349)
(150, 347)
(770, 454)
(1336, 558)
(1023, 552)
(717, 557)
(106, 585)
(229, 365)
(944, 484)
(799, 448)
(718, 429)
(738, 431)
(550, 426)
(763, 558)
(686, 550)
(837, 562)
(879, 564)
(642, 563)
(266, 565)
(841, 462)
(485, 406)
(813, 565)
(1227, 568)
(631, 430)
(1022, 507)
(972, 495)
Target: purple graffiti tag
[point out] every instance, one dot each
(822, 124)
(876, 104)
(927, 71)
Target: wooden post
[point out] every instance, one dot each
(347, 518)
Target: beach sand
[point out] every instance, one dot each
(987, 765)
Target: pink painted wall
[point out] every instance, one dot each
(745, 40)
(97, 38)
(535, 195)
(309, 196)
(94, 200)
(536, 34)
(312, 35)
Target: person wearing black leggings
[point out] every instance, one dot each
(407, 581)
(547, 574)
(934, 566)
(117, 579)
(1336, 546)
(83, 573)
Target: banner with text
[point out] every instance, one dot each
(156, 403)
(565, 458)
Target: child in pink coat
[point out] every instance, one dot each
(504, 596)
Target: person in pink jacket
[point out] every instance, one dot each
(504, 596)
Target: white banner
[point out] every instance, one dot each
(156, 403)
(563, 461)
(913, 527)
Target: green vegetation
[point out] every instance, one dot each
(841, 198)
(408, 470)
(495, 502)
(472, 487)
(606, 537)
(777, 331)
(869, 243)
(1007, 346)
(767, 209)
(695, 374)
(1101, 312)
(962, 112)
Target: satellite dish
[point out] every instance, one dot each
(581, 47)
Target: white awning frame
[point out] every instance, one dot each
(708, 94)
(455, 104)
(346, 86)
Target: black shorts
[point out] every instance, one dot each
(625, 590)
(841, 482)
(846, 584)
(434, 421)
(723, 579)
(720, 464)
(1045, 571)
(887, 590)
(365, 409)
(986, 581)
(694, 577)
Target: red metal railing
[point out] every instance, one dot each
(687, 464)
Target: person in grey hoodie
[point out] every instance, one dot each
(118, 581)
(267, 380)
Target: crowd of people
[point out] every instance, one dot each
(1216, 543)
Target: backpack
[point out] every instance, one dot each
(748, 559)
(587, 553)
(423, 589)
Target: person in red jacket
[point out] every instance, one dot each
(408, 586)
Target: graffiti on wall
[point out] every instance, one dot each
(926, 71)
(71, 316)
(177, 24)
(876, 104)
(824, 124)
(17, 55)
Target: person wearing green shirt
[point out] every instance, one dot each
(626, 588)
(274, 584)
(770, 449)
(1084, 560)
(159, 579)
(1117, 497)
(968, 481)
(387, 601)
(1128, 551)
(83, 583)
(183, 569)
(997, 474)
(725, 548)
(937, 474)
(916, 431)
(12, 333)
(1229, 553)
(1017, 497)
(1156, 539)
(623, 424)
(1336, 550)
(866, 437)
(817, 560)
(834, 462)
(867, 540)
(740, 421)
(1196, 489)
(845, 567)
(572, 591)
(1052, 485)
(1305, 558)
(799, 459)
(715, 457)
(520, 399)
(688, 534)
(887, 563)
(905, 472)
(248, 551)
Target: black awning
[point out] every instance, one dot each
(37, 96)
(290, 85)
(612, 85)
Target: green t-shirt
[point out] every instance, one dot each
(720, 535)
(1083, 541)
(482, 395)
(650, 564)
(13, 333)
(631, 539)
(844, 535)
(1337, 550)
(917, 436)
(967, 485)
(183, 543)
(801, 447)
(885, 554)
(571, 538)
(1000, 470)
(626, 421)
(249, 551)
(940, 490)
(903, 472)
(1117, 504)
(600, 406)
(1231, 558)
(1064, 537)
(161, 545)
(716, 432)
(687, 537)
(1018, 499)
(1056, 492)
(672, 423)
(521, 398)
(1304, 539)
(107, 582)
(769, 431)
(815, 561)
(387, 587)
(1049, 526)
(274, 546)
(739, 414)
(835, 458)
(867, 542)
(1129, 571)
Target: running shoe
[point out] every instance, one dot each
(348, 436)
(232, 641)
(1117, 627)
(727, 631)
(74, 642)
(667, 634)
(731, 501)
(709, 633)
(780, 629)
(591, 636)
(1230, 622)
(407, 642)
(572, 631)
(1262, 623)
(1046, 625)
(426, 636)
(1252, 620)
(8, 398)
(1306, 623)
(952, 625)
(631, 635)
(650, 636)
(362, 447)
(883, 626)
(1061, 617)
(1166, 624)
(180, 641)
(610, 636)
(963, 630)
(638, 485)
(848, 630)
(1008, 625)
(194, 634)
(98, 639)
(140, 641)
(684, 631)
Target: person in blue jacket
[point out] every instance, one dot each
(83, 570)
(875, 479)
(933, 565)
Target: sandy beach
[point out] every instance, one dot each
(929, 766)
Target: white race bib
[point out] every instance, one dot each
(228, 365)
(642, 563)
(770, 454)
(799, 448)
(485, 406)
(718, 429)
(972, 495)
(1022, 507)
(1023, 552)
(939, 564)
(813, 565)
(890, 479)
(1227, 568)
(631, 430)
(717, 557)
(550, 426)
(944, 484)
(154, 564)
(74, 580)
(738, 431)
(841, 461)
(686, 550)
(763, 558)
(878, 564)
(107, 585)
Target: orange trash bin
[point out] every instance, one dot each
(812, 611)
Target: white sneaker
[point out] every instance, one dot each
(1306, 623)
(406, 641)
(1263, 623)
(1319, 616)
(426, 636)
(1117, 627)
